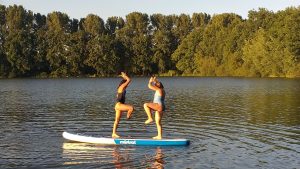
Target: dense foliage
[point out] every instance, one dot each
(267, 44)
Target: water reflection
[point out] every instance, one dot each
(86, 153)
(125, 160)
(276, 108)
(108, 156)
(118, 159)
(158, 159)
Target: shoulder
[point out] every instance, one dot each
(160, 91)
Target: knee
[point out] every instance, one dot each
(145, 105)
(116, 106)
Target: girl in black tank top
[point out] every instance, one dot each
(120, 106)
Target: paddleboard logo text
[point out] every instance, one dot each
(127, 142)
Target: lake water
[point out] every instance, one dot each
(231, 123)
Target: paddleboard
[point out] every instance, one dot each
(125, 141)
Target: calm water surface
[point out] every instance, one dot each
(231, 122)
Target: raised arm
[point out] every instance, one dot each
(124, 85)
(150, 84)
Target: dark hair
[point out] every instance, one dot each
(161, 85)
(122, 81)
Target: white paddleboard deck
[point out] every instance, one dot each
(124, 141)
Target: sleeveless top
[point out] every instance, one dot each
(159, 99)
(121, 97)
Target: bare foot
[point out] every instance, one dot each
(148, 121)
(157, 137)
(129, 115)
(115, 136)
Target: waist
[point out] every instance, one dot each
(121, 97)
(159, 100)
(120, 100)
(161, 103)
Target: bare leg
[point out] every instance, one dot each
(119, 109)
(130, 110)
(148, 112)
(116, 123)
(158, 116)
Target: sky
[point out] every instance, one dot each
(107, 8)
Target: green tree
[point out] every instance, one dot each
(184, 55)
(93, 25)
(76, 53)
(19, 40)
(4, 64)
(39, 21)
(200, 20)
(74, 25)
(163, 43)
(42, 65)
(260, 19)
(113, 24)
(232, 46)
(183, 27)
(264, 56)
(102, 56)
(101, 53)
(265, 44)
(58, 30)
(135, 38)
(288, 22)
(220, 43)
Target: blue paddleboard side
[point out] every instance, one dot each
(152, 142)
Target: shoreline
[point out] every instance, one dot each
(162, 75)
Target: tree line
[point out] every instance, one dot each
(267, 44)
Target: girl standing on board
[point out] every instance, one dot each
(120, 105)
(158, 105)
